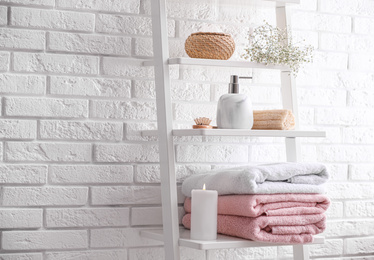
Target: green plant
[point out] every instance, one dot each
(271, 45)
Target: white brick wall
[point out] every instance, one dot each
(48, 152)
(99, 87)
(21, 218)
(17, 129)
(119, 237)
(72, 130)
(44, 196)
(3, 15)
(28, 256)
(79, 181)
(129, 6)
(109, 195)
(55, 63)
(51, 19)
(102, 217)
(22, 39)
(4, 61)
(45, 107)
(44, 240)
(92, 174)
(48, 3)
(86, 43)
(23, 174)
(92, 255)
(22, 84)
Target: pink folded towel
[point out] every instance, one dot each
(274, 229)
(269, 204)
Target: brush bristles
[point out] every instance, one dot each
(202, 121)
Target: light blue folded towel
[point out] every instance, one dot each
(261, 179)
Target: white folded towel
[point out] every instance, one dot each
(261, 179)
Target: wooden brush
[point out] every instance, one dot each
(202, 122)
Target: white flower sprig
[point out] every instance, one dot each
(271, 45)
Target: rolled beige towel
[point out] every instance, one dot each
(277, 119)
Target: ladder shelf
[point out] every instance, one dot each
(171, 234)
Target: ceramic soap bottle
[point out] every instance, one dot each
(234, 110)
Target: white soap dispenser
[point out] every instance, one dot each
(234, 110)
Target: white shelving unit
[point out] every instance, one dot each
(171, 234)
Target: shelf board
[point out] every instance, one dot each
(285, 1)
(221, 242)
(278, 2)
(240, 132)
(219, 63)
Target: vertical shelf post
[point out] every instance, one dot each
(164, 124)
(301, 252)
(289, 95)
(289, 100)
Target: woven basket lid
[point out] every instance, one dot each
(211, 33)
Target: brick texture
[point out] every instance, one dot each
(23, 174)
(124, 110)
(28, 256)
(132, 25)
(87, 217)
(21, 218)
(42, 107)
(17, 129)
(22, 84)
(42, 240)
(22, 39)
(4, 61)
(79, 174)
(49, 152)
(55, 63)
(31, 2)
(86, 43)
(120, 195)
(3, 15)
(72, 130)
(130, 6)
(119, 153)
(92, 255)
(44, 196)
(51, 19)
(98, 87)
(119, 237)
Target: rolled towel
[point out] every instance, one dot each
(275, 229)
(277, 119)
(269, 204)
(261, 179)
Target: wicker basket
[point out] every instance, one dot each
(205, 45)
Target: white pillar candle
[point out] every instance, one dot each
(204, 214)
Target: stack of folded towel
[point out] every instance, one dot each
(278, 203)
(277, 119)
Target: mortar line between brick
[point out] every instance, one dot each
(9, 15)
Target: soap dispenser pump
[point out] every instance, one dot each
(234, 110)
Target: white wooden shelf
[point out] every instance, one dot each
(240, 132)
(285, 1)
(219, 63)
(221, 242)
